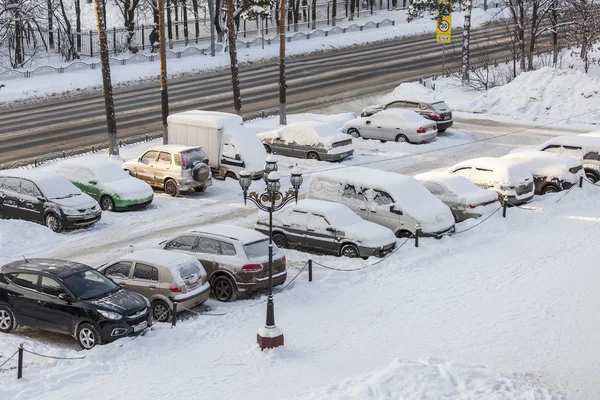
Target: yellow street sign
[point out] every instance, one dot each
(444, 22)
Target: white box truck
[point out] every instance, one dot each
(229, 146)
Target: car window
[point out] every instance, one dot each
(410, 104)
(592, 156)
(145, 272)
(434, 188)
(185, 243)
(51, 287)
(351, 192)
(464, 169)
(119, 269)
(208, 246)
(382, 198)
(150, 156)
(28, 188)
(89, 284)
(395, 104)
(189, 268)
(228, 249)
(164, 158)
(257, 251)
(484, 169)
(13, 184)
(190, 157)
(2, 180)
(28, 281)
(317, 222)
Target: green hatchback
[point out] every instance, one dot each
(105, 181)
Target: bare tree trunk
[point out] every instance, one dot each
(50, 24)
(554, 21)
(19, 57)
(155, 12)
(466, 41)
(78, 24)
(314, 14)
(333, 12)
(351, 16)
(282, 85)
(71, 52)
(169, 23)
(521, 32)
(196, 17)
(185, 22)
(235, 75)
(533, 37)
(164, 93)
(296, 14)
(111, 122)
(217, 21)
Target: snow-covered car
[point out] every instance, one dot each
(113, 188)
(46, 198)
(398, 202)
(235, 258)
(464, 198)
(551, 172)
(506, 177)
(174, 168)
(163, 277)
(308, 139)
(394, 124)
(328, 227)
(437, 111)
(585, 147)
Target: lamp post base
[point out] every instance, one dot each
(269, 337)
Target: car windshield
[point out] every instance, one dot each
(188, 269)
(342, 216)
(440, 106)
(89, 284)
(57, 188)
(259, 250)
(193, 156)
(109, 172)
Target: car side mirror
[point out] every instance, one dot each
(41, 198)
(330, 229)
(394, 210)
(65, 297)
(368, 122)
(237, 157)
(93, 182)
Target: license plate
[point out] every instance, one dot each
(141, 326)
(447, 117)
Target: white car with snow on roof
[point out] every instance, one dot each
(508, 178)
(464, 198)
(395, 201)
(328, 227)
(113, 188)
(229, 145)
(551, 172)
(393, 125)
(308, 139)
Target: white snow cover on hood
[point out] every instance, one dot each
(410, 195)
(467, 192)
(51, 185)
(430, 379)
(308, 133)
(506, 172)
(547, 164)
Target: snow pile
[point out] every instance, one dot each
(548, 93)
(416, 92)
(308, 133)
(23, 238)
(430, 379)
(547, 164)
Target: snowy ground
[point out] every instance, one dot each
(507, 310)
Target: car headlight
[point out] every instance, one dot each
(147, 301)
(110, 315)
(70, 211)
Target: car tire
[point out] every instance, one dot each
(231, 175)
(88, 336)
(441, 130)
(224, 288)
(354, 133)
(592, 176)
(161, 312)
(201, 172)
(268, 149)
(550, 188)
(401, 139)
(280, 240)
(53, 222)
(107, 203)
(350, 251)
(8, 323)
(200, 189)
(311, 155)
(171, 188)
(129, 172)
(403, 233)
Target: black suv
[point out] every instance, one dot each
(46, 198)
(71, 298)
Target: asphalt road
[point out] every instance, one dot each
(314, 81)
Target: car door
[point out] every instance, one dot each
(90, 184)
(145, 279)
(295, 224)
(31, 204)
(378, 208)
(11, 190)
(54, 313)
(483, 177)
(207, 251)
(145, 166)
(317, 235)
(354, 198)
(162, 168)
(24, 297)
(119, 272)
(375, 126)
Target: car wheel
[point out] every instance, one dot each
(313, 156)
(53, 222)
(268, 149)
(550, 188)
(107, 203)
(224, 289)
(441, 130)
(350, 251)
(403, 234)
(161, 311)
(1, 213)
(200, 189)
(354, 133)
(129, 172)
(88, 336)
(7, 320)
(280, 240)
(231, 175)
(591, 176)
(401, 139)
(171, 188)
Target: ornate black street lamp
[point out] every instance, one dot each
(271, 200)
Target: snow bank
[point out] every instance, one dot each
(430, 379)
(416, 92)
(548, 93)
(24, 238)
(308, 133)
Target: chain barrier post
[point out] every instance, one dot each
(581, 181)
(20, 366)
(504, 206)
(417, 232)
(310, 270)
(174, 316)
